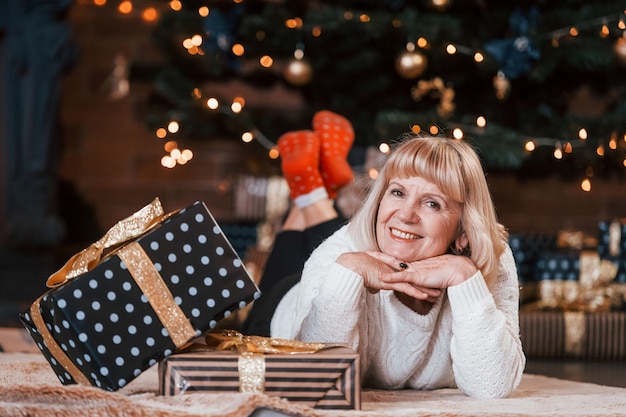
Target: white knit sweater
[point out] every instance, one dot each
(469, 339)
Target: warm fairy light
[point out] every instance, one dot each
(175, 153)
(481, 121)
(582, 134)
(266, 61)
(422, 43)
(600, 150)
(396, 23)
(240, 100)
(410, 46)
(348, 15)
(170, 146)
(373, 173)
(624, 162)
(99, 2)
(168, 162)
(196, 93)
(176, 5)
(316, 31)
(478, 57)
(384, 148)
(161, 133)
(196, 40)
(555, 42)
(298, 54)
(294, 23)
(451, 49)
(604, 32)
(621, 25)
(433, 130)
(125, 7)
(186, 154)
(236, 107)
(530, 146)
(173, 126)
(273, 153)
(558, 152)
(457, 133)
(212, 103)
(247, 137)
(203, 11)
(573, 31)
(416, 128)
(238, 49)
(188, 43)
(585, 185)
(364, 18)
(613, 141)
(150, 14)
(568, 147)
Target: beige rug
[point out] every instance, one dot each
(28, 387)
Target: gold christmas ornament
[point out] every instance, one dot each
(411, 64)
(620, 50)
(502, 85)
(436, 88)
(298, 72)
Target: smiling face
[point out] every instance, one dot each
(416, 220)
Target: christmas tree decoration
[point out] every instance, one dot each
(411, 64)
(502, 85)
(520, 67)
(298, 72)
(436, 88)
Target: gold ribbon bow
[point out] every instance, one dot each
(252, 350)
(232, 339)
(129, 228)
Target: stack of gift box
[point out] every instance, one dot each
(154, 286)
(577, 307)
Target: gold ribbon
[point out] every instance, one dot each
(53, 347)
(252, 350)
(159, 296)
(125, 230)
(232, 339)
(575, 330)
(615, 237)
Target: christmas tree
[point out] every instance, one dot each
(538, 86)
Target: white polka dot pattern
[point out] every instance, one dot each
(106, 325)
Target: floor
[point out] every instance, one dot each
(23, 275)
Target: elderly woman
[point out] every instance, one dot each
(421, 281)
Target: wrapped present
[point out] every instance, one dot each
(573, 334)
(317, 375)
(576, 281)
(612, 238)
(154, 282)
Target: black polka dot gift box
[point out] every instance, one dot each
(153, 283)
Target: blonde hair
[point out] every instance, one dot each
(455, 168)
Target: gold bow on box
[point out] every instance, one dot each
(127, 229)
(252, 351)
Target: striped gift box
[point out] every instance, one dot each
(576, 335)
(327, 379)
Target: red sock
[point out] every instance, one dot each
(336, 135)
(300, 153)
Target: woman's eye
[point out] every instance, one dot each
(397, 192)
(433, 204)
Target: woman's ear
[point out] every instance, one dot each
(461, 242)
